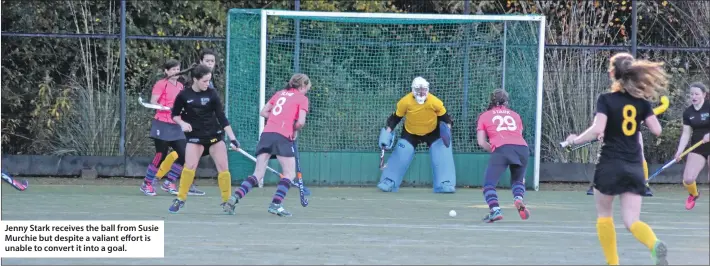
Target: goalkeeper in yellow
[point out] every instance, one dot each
(425, 121)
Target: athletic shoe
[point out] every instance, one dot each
(522, 210)
(230, 205)
(590, 191)
(169, 187)
(659, 253)
(495, 215)
(148, 189)
(649, 192)
(278, 210)
(195, 192)
(690, 202)
(177, 204)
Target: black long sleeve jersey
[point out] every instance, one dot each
(203, 110)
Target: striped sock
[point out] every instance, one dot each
(281, 190)
(489, 193)
(152, 168)
(246, 186)
(174, 172)
(518, 190)
(150, 174)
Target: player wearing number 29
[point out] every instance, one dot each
(620, 167)
(508, 148)
(427, 121)
(286, 113)
(200, 113)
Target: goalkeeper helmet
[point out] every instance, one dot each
(420, 89)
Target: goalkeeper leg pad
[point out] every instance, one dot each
(396, 167)
(442, 165)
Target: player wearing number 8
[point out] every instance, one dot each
(620, 167)
(286, 113)
(508, 148)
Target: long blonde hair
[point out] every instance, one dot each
(639, 78)
(298, 81)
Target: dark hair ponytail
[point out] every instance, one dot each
(498, 97)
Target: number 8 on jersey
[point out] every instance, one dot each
(278, 106)
(629, 113)
(284, 113)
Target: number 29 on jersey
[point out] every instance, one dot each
(505, 123)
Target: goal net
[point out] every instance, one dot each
(361, 64)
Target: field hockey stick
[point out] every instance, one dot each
(673, 161)
(19, 185)
(570, 148)
(656, 111)
(304, 200)
(152, 106)
(272, 170)
(160, 107)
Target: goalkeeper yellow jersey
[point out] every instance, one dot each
(420, 119)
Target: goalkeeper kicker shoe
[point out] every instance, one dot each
(278, 210)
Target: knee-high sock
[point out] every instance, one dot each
(152, 169)
(175, 172)
(692, 188)
(644, 234)
(246, 186)
(491, 197)
(518, 189)
(645, 170)
(186, 178)
(281, 190)
(224, 179)
(165, 165)
(607, 239)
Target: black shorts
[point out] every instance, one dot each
(206, 142)
(702, 150)
(510, 156)
(429, 138)
(275, 144)
(614, 177)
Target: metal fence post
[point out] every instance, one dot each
(297, 41)
(634, 27)
(466, 50)
(122, 82)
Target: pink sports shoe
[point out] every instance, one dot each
(522, 210)
(169, 187)
(690, 202)
(148, 189)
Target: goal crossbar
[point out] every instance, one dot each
(463, 18)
